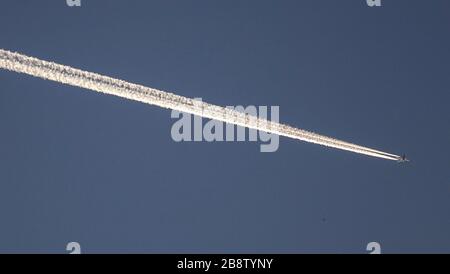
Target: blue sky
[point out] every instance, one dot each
(103, 171)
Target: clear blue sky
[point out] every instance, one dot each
(103, 171)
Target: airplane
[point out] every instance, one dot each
(402, 159)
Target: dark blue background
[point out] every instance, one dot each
(103, 171)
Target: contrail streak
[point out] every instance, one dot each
(67, 75)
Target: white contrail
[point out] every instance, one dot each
(75, 77)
